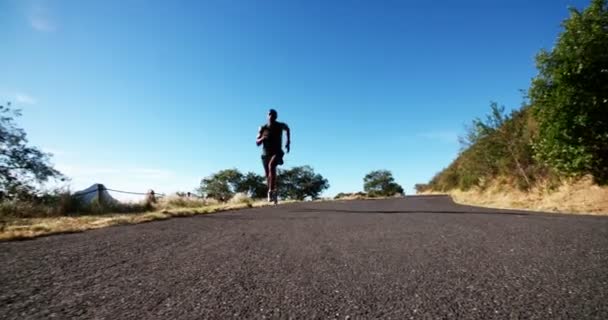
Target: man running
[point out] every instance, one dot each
(271, 137)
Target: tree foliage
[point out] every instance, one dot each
(296, 183)
(564, 130)
(381, 183)
(497, 146)
(570, 96)
(301, 182)
(254, 185)
(22, 167)
(221, 185)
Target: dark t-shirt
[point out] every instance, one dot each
(273, 144)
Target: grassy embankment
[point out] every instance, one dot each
(574, 196)
(552, 153)
(31, 225)
(497, 167)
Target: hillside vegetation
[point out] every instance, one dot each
(558, 137)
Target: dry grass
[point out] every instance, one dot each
(240, 198)
(25, 228)
(572, 196)
(363, 196)
(353, 197)
(174, 201)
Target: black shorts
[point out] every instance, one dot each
(266, 158)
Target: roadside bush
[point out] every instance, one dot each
(56, 204)
(241, 198)
(352, 195)
(177, 201)
(380, 183)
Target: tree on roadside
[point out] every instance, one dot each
(380, 183)
(499, 145)
(22, 168)
(421, 187)
(570, 96)
(299, 183)
(296, 183)
(221, 185)
(254, 185)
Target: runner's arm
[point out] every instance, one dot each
(260, 138)
(288, 144)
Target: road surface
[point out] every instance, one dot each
(411, 258)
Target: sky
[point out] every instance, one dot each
(142, 95)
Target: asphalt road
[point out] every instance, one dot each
(412, 258)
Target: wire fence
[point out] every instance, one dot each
(150, 195)
(101, 188)
(137, 193)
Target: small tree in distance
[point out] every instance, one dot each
(221, 185)
(254, 185)
(380, 183)
(299, 183)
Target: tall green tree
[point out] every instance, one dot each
(570, 95)
(381, 183)
(22, 167)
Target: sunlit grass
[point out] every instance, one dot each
(572, 196)
(25, 228)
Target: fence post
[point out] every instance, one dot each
(99, 192)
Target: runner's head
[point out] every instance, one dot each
(272, 115)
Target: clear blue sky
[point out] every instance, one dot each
(158, 94)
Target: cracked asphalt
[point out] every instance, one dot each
(410, 258)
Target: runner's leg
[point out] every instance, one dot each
(272, 173)
(266, 162)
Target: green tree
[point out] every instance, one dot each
(570, 96)
(421, 187)
(254, 185)
(381, 183)
(221, 185)
(499, 145)
(300, 183)
(22, 167)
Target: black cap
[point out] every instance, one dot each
(272, 112)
